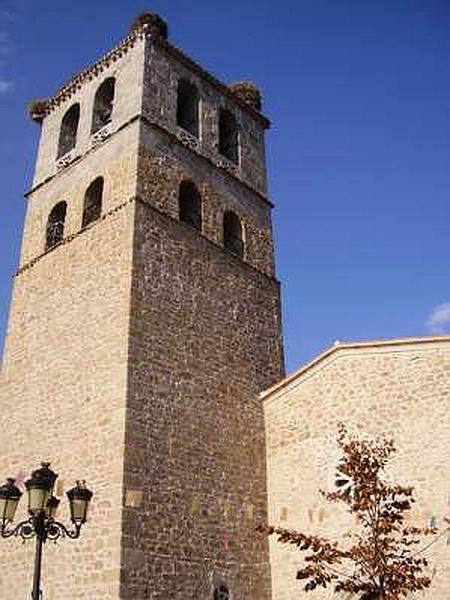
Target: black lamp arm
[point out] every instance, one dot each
(58, 530)
(46, 530)
(24, 529)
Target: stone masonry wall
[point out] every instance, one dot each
(163, 70)
(128, 72)
(62, 393)
(401, 390)
(114, 160)
(204, 340)
(162, 167)
(64, 369)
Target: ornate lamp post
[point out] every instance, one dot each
(42, 507)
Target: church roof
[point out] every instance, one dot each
(342, 348)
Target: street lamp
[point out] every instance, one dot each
(42, 507)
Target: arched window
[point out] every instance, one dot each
(232, 233)
(222, 593)
(103, 104)
(92, 208)
(190, 205)
(187, 107)
(228, 136)
(68, 131)
(55, 225)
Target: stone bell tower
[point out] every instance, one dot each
(145, 320)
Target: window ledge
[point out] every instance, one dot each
(101, 135)
(188, 138)
(65, 160)
(228, 165)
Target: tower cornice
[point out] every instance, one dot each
(173, 137)
(133, 199)
(39, 109)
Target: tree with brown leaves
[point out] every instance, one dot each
(381, 557)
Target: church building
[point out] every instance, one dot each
(144, 349)
(399, 389)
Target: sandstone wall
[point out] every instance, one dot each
(204, 340)
(398, 389)
(62, 393)
(164, 67)
(161, 168)
(128, 72)
(64, 374)
(115, 160)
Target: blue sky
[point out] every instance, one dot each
(358, 155)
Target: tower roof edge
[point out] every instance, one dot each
(151, 26)
(227, 90)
